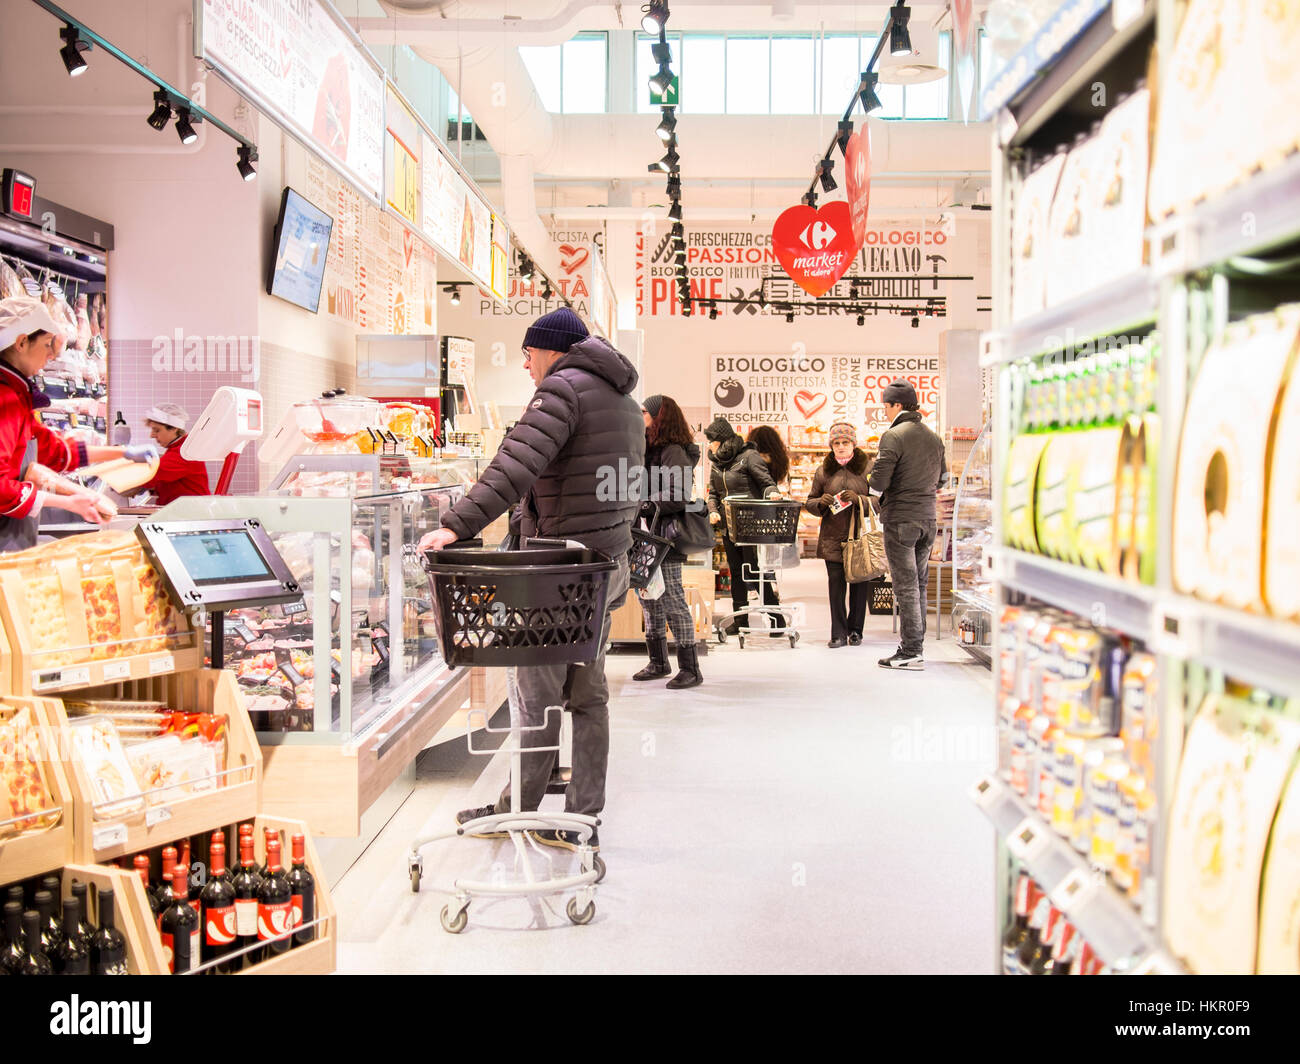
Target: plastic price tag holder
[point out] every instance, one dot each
(1174, 632)
(44, 679)
(106, 835)
(1075, 891)
(292, 675)
(244, 632)
(157, 814)
(986, 792)
(1029, 840)
(116, 670)
(1122, 12)
(293, 608)
(162, 663)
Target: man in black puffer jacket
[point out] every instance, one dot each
(737, 469)
(558, 462)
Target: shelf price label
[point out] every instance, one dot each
(986, 791)
(1074, 892)
(162, 663)
(157, 815)
(44, 679)
(106, 835)
(117, 670)
(1029, 840)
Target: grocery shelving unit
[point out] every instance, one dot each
(1185, 293)
(972, 518)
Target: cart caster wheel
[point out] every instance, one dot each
(722, 636)
(415, 881)
(741, 640)
(793, 640)
(453, 924)
(580, 918)
(599, 866)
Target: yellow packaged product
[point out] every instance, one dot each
(1100, 458)
(1021, 491)
(1054, 502)
(1067, 797)
(1124, 870)
(1104, 802)
(1281, 540)
(1138, 713)
(1279, 903)
(1096, 752)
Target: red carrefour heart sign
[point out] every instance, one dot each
(816, 247)
(857, 174)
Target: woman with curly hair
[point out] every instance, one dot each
(670, 458)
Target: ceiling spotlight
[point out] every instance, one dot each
(162, 110)
(853, 291)
(654, 15)
(844, 130)
(916, 321)
(674, 186)
(790, 317)
(675, 211)
(900, 41)
(547, 290)
(713, 312)
(669, 123)
(862, 319)
(247, 156)
(668, 164)
(525, 268)
(867, 91)
(455, 295)
(809, 199)
(662, 54)
(71, 51)
(824, 169)
(679, 231)
(185, 127)
(662, 80)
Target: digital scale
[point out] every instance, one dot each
(215, 566)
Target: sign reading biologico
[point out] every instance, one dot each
(804, 390)
(897, 270)
(299, 63)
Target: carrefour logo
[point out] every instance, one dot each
(817, 235)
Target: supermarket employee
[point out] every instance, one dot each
(30, 453)
(176, 474)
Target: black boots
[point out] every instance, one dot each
(658, 667)
(688, 664)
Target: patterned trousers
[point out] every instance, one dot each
(670, 608)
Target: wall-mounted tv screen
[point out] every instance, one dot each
(302, 240)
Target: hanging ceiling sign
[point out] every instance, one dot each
(402, 149)
(456, 218)
(500, 258)
(298, 62)
(857, 170)
(963, 36)
(816, 246)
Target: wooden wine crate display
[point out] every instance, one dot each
(44, 850)
(165, 816)
(132, 915)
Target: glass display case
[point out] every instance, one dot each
(972, 533)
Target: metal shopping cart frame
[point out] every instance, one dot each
(765, 524)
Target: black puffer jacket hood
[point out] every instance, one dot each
(568, 459)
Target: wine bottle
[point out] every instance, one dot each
(180, 927)
(156, 903)
(85, 928)
(247, 883)
(219, 926)
(12, 955)
(192, 890)
(162, 889)
(15, 893)
(73, 957)
(302, 889)
(1020, 926)
(1037, 920)
(34, 961)
(51, 929)
(107, 944)
(227, 873)
(274, 904)
(267, 835)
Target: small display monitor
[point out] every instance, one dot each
(302, 241)
(223, 557)
(219, 565)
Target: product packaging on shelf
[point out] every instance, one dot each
(24, 789)
(1281, 539)
(1029, 242)
(1279, 904)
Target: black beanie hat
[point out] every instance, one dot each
(720, 430)
(652, 404)
(901, 392)
(557, 331)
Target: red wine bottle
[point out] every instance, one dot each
(275, 904)
(220, 931)
(51, 928)
(107, 944)
(73, 957)
(192, 891)
(227, 873)
(156, 904)
(302, 888)
(247, 883)
(180, 928)
(267, 835)
(11, 956)
(34, 960)
(163, 887)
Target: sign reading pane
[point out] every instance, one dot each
(794, 68)
(748, 76)
(840, 73)
(584, 76)
(703, 87)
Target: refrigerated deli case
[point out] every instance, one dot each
(345, 688)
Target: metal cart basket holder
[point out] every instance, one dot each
(760, 523)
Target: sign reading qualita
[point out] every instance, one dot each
(807, 391)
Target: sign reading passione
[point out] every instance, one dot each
(296, 60)
(805, 391)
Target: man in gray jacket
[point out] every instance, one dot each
(580, 423)
(907, 474)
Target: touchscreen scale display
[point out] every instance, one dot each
(226, 557)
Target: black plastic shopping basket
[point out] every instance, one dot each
(761, 520)
(647, 554)
(521, 607)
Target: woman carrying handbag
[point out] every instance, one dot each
(671, 456)
(837, 489)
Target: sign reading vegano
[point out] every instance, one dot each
(298, 62)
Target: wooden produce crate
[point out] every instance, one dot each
(161, 816)
(42, 850)
(132, 915)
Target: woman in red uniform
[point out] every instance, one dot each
(176, 475)
(31, 455)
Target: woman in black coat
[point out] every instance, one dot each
(843, 473)
(737, 469)
(670, 457)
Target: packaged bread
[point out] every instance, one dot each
(114, 790)
(1235, 762)
(24, 791)
(1222, 461)
(173, 766)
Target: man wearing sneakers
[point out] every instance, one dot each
(907, 474)
(580, 421)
